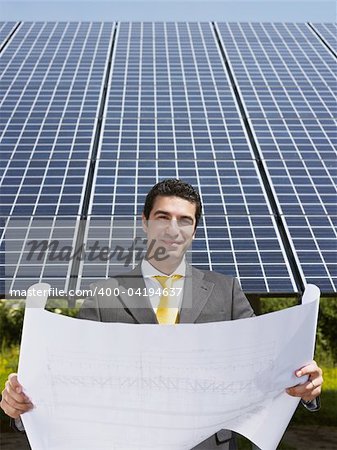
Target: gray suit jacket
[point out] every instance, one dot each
(208, 297)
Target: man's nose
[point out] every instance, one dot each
(172, 228)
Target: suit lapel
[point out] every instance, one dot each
(196, 293)
(139, 305)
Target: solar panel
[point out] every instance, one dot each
(171, 113)
(314, 238)
(51, 87)
(48, 116)
(255, 133)
(285, 76)
(43, 187)
(5, 30)
(35, 250)
(296, 139)
(281, 70)
(328, 32)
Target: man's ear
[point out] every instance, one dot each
(144, 223)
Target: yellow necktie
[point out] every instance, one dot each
(165, 314)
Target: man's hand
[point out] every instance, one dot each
(311, 389)
(14, 401)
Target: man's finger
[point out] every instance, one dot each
(22, 407)
(13, 380)
(298, 391)
(306, 388)
(20, 398)
(309, 385)
(315, 393)
(309, 369)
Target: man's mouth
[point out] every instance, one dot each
(171, 243)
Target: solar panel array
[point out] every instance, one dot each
(287, 81)
(51, 87)
(170, 110)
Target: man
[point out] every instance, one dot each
(170, 217)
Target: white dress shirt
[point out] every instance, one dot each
(148, 272)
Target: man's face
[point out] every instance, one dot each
(171, 225)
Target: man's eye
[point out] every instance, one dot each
(184, 222)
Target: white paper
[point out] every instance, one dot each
(124, 386)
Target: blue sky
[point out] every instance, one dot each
(170, 10)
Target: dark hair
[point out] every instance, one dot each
(173, 187)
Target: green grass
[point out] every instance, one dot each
(9, 358)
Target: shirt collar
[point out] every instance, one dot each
(148, 271)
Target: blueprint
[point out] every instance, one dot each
(132, 387)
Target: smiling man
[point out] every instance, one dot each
(170, 223)
(168, 290)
